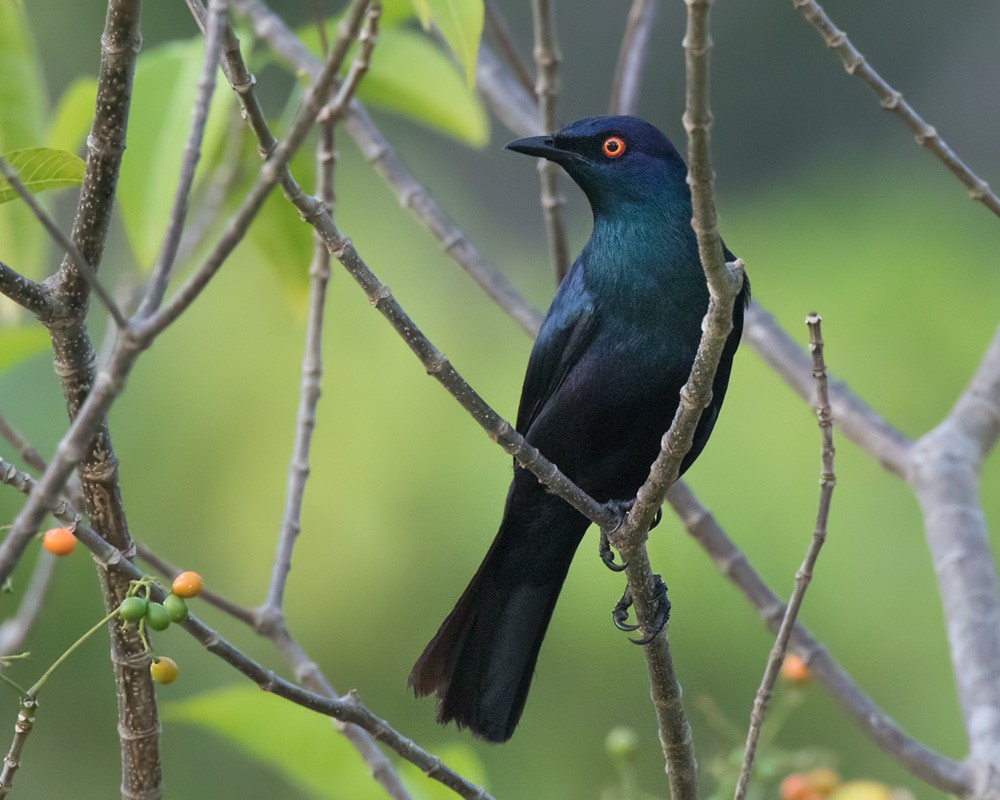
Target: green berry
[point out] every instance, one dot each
(157, 617)
(132, 609)
(176, 607)
(622, 742)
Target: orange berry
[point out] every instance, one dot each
(188, 584)
(59, 541)
(796, 786)
(795, 671)
(164, 670)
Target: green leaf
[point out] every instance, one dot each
(304, 746)
(461, 25)
(70, 121)
(410, 75)
(23, 100)
(41, 169)
(162, 104)
(21, 343)
(299, 744)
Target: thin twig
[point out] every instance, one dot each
(827, 482)
(23, 726)
(546, 52)
(62, 240)
(15, 629)
(312, 359)
(632, 54)
(171, 571)
(205, 89)
(891, 100)
(496, 24)
(855, 418)
(948, 775)
(24, 448)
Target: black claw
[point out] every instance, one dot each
(657, 518)
(620, 613)
(659, 621)
(608, 555)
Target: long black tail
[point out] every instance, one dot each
(482, 658)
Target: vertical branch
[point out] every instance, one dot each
(804, 575)
(945, 476)
(632, 54)
(312, 359)
(546, 52)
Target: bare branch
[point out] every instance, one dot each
(15, 629)
(891, 100)
(62, 240)
(851, 414)
(506, 98)
(950, 776)
(192, 154)
(377, 150)
(632, 54)
(945, 477)
(546, 52)
(24, 291)
(24, 725)
(23, 447)
(804, 575)
(496, 24)
(312, 359)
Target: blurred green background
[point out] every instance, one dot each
(833, 209)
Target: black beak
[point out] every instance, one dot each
(541, 146)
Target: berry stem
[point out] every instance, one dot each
(33, 691)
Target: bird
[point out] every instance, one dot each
(601, 388)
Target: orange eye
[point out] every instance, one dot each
(613, 147)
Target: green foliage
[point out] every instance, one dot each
(41, 169)
(461, 25)
(19, 344)
(22, 118)
(304, 746)
(70, 119)
(410, 75)
(163, 98)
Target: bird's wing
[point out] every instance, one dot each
(564, 336)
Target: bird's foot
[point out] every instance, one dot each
(608, 555)
(662, 613)
(620, 509)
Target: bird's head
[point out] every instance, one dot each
(614, 160)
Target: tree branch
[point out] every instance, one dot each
(62, 241)
(546, 52)
(891, 100)
(24, 291)
(632, 54)
(377, 151)
(804, 575)
(497, 25)
(948, 775)
(205, 89)
(945, 477)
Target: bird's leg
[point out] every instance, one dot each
(659, 621)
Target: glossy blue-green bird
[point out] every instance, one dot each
(601, 388)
